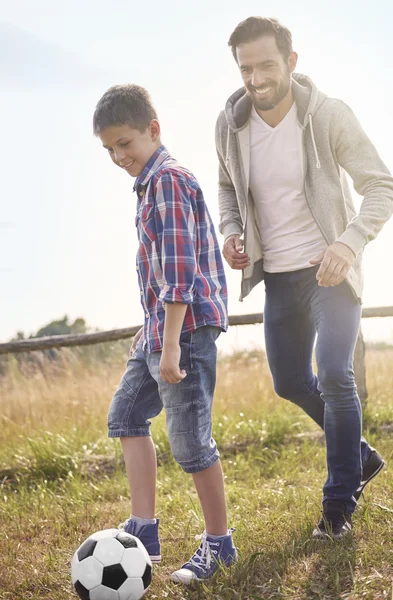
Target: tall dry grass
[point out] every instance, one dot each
(61, 479)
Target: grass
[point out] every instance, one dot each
(61, 479)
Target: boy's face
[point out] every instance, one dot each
(129, 148)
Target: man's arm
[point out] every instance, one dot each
(371, 178)
(230, 221)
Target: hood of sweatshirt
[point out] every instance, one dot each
(307, 97)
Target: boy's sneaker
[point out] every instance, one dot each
(207, 559)
(371, 468)
(334, 523)
(148, 534)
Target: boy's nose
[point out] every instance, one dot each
(119, 155)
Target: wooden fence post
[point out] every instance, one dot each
(360, 368)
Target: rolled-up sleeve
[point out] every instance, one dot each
(175, 200)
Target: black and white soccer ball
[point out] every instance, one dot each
(111, 565)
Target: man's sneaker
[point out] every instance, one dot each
(334, 523)
(371, 468)
(207, 559)
(148, 534)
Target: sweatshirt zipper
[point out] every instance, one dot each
(305, 167)
(246, 205)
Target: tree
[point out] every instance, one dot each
(62, 327)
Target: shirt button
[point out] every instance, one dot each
(147, 315)
(137, 267)
(141, 293)
(141, 193)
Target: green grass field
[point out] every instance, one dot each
(62, 479)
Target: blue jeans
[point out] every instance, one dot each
(142, 395)
(296, 310)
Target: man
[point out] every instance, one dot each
(283, 147)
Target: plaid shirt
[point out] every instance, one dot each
(178, 259)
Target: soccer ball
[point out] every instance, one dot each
(111, 565)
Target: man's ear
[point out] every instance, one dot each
(292, 61)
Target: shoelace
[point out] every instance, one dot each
(202, 558)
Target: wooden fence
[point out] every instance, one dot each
(58, 341)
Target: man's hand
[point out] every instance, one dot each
(170, 364)
(233, 253)
(335, 263)
(136, 339)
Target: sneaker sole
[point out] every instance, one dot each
(324, 537)
(360, 489)
(176, 579)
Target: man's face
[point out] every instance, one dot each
(266, 74)
(129, 148)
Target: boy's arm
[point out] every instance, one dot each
(179, 264)
(169, 365)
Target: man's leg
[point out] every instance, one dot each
(290, 335)
(337, 317)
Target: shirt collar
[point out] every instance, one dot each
(152, 165)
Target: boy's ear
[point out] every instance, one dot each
(155, 130)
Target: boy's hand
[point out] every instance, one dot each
(136, 339)
(233, 253)
(170, 364)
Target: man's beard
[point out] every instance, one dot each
(280, 93)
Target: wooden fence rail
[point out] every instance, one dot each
(85, 339)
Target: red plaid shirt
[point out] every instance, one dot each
(178, 259)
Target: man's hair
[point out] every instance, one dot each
(127, 104)
(255, 27)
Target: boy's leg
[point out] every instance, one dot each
(188, 406)
(141, 466)
(209, 484)
(134, 403)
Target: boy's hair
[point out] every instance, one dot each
(255, 27)
(128, 104)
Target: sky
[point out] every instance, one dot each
(67, 234)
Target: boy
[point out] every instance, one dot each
(173, 357)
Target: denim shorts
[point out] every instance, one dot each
(142, 395)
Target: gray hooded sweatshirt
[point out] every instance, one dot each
(333, 142)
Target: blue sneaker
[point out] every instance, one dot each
(207, 560)
(148, 534)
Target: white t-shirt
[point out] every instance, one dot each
(290, 237)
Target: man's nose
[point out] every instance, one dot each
(258, 78)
